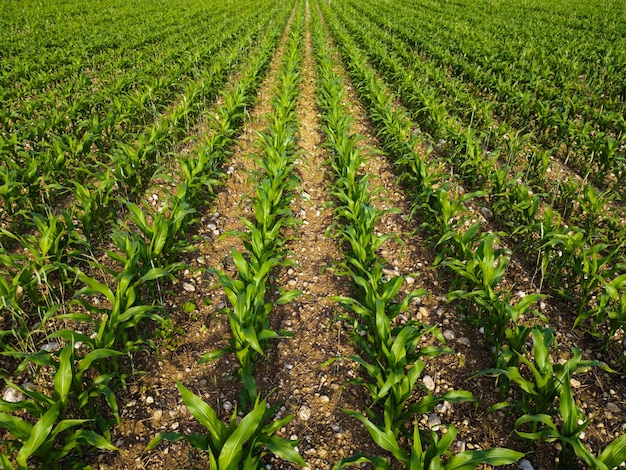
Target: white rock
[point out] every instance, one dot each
(433, 421)
(13, 396)
(230, 170)
(149, 400)
(304, 413)
(428, 382)
(157, 415)
(409, 280)
(228, 406)
(51, 347)
(189, 287)
(448, 335)
(525, 465)
(464, 341)
(211, 226)
(443, 407)
(574, 383)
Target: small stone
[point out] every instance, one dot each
(157, 415)
(486, 212)
(189, 287)
(211, 226)
(50, 347)
(230, 170)
(13, 396)
(175, 425)
(613, 408)
(228, 406)
(433, 421)
(409, 280)
(324, 398)
(525, 465)
(574, 383)
(149, 400)
(428, 382)
(448, 335)
(460, 446)
(304, 413)
(443, 407)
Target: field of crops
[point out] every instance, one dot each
(323, 233)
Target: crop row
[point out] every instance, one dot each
(578, 262)
(478, 265)
(87, 362)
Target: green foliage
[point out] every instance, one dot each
(240, 444)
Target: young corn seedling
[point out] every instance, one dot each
(249, 317)
(64, 419)
(165, 232)
(570, 434)
(537, 394)
(432, 453)
(496, 314)
(242, 443)
(122, 311)
(96, 206)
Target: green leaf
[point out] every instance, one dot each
(168, 436)
(287, 297)
(379, 462)
(211, 356)
(152, 274)
(241, 264)
(6, 464)
(615, 452)
(383, 438)
(231, 452)
(96, 355)
(203, 413)
(96, 440)
(39, 434)
(285, 450)
(468, 460)
(18, 428)
(64, 374)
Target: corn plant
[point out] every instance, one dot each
(537, 394)
(64, 420)
(496, 313)
(96, 206)
(240, 444)
(163, 234)
(122, 311)
(249, 316)
(569, 434)
(432, 453)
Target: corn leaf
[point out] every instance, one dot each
(40, 432)
(231, 452)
